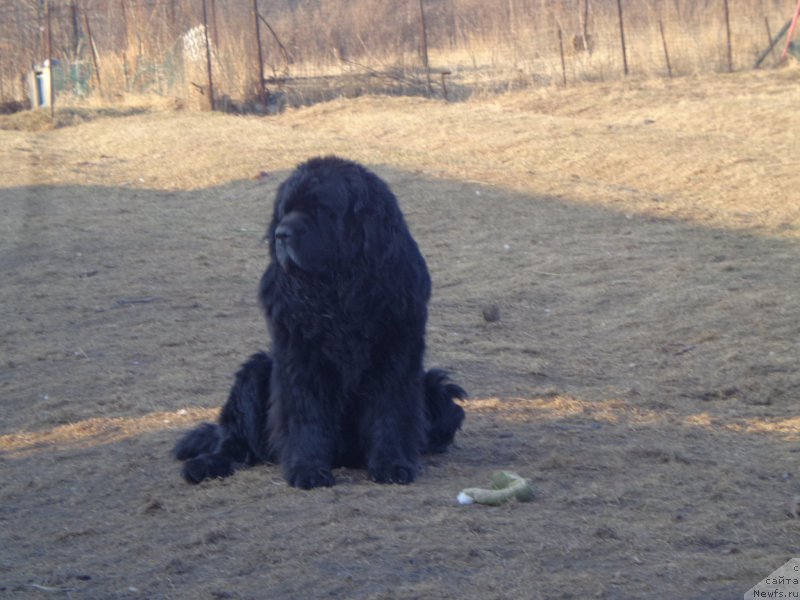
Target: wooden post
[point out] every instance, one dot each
(728, 35)
(585, 27)
(561, 51)
(208, 57)
(260, 80)
(94, 51)
(622, 37)
(76, 28)
(41, 42)
(769, 32)
(125, 45)
(664, 43)
(444, 84)
(51, 72)
(423, 43)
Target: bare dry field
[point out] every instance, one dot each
(640, 239)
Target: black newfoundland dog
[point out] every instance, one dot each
(345, 296)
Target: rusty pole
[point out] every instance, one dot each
(50, 69)
(424, 44)
(622, 37)
(728, 35)
(208, 58)
(260, 81)
(664, 43)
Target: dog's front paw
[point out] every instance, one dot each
(195, 469)
(402, 473)
(307, 478)
(206, 466)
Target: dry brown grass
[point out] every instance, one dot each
(549, 140)
(368, 46)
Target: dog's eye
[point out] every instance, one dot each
(320, 209)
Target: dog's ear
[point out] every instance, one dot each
(362, 195)
(372, 202)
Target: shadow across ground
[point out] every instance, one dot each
(640, 373)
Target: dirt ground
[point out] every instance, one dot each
(640, 239)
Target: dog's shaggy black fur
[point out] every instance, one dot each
(345, 297)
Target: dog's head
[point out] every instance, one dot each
(331, 212)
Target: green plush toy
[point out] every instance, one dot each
(505, 485)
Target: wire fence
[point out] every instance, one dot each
(261, 55)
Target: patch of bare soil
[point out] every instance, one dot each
(634, 244)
